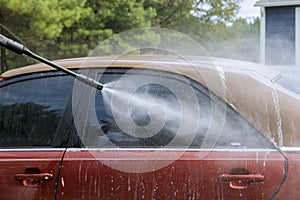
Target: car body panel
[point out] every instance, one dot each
(28, 162)
(195, 175)
(289, 189)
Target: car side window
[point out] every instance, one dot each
(236, 131)
(31, 109)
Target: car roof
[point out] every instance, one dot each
(247, 87)
(132, 61)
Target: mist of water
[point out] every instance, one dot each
(148, 112)
(143, 109)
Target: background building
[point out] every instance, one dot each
(280, 32)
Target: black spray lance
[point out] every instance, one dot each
(21, 49)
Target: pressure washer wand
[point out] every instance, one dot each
(22, 50)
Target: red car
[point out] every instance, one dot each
(158, 130)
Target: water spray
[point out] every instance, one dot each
(22, 50)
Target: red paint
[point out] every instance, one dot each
(17, 162)
(188, 177)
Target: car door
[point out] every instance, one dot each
(118, 159)
(31, 108)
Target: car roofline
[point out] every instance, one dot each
(135, 61)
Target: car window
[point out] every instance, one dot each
(31, 108)
(236, 131)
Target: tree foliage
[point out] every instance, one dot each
(216, 10)
(71, 28)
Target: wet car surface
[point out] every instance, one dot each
(65, 140)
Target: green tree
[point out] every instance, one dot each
(104, 19)
(71, 28)
(37, 23)
(216, 10)
(175, 13)
(239, 40)
(68, 28)
(212, 23)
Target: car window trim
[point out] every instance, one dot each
(18, 79)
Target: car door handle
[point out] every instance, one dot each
(33, 180)
(240, 181)
(34, 177)
(241, 177)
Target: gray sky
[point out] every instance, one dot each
(248, 10)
